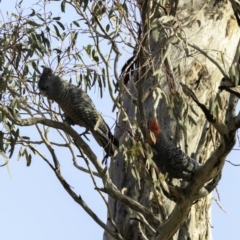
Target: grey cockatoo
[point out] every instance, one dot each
(172, 160)
(169, 158)
(77, 107)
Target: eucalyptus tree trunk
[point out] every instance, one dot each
(185, 48)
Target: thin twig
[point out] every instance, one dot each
(234, 164)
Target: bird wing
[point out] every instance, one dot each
(86, 113)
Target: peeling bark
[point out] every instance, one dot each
(215, 31)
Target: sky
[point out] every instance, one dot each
(33, 204)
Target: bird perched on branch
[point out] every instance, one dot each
(77, 107)
(169, 158)
(172, 160)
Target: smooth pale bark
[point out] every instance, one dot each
(215, 31)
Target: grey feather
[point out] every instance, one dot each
(172, 160)
(77, 106)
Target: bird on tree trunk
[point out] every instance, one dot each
(170, 159)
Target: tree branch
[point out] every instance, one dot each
(220, 127)
(63, 126)
(194, 190)
(111, 189)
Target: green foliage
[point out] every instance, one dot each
(37, 35)
(24, 153)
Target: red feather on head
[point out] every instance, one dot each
(154, 127)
